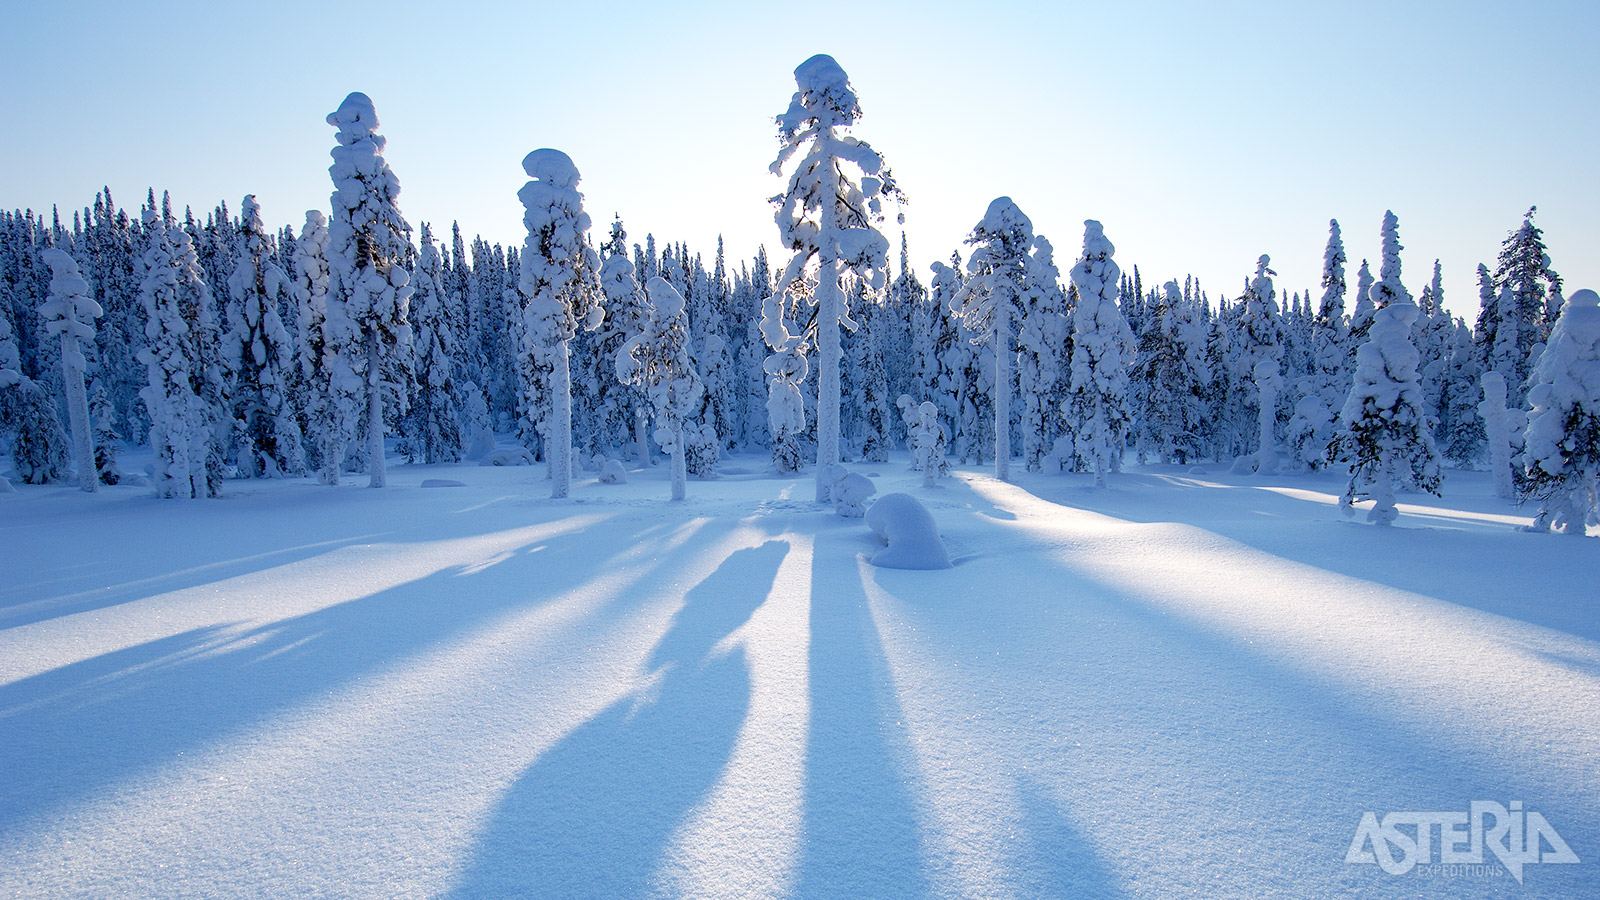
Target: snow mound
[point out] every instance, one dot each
(906, 526)
(442, 483)
(356, 116)
(611, 472)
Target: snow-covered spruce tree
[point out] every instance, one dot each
(1261, 333)
(1524, 269)
(257, 350)
(560, 289)
(430, 431)
(180, 430)
(70, 312)
(1433, 334)
(991, 301)
(1462, 440)
(657, 360)
(786, 370)
(1327, 383)
(1383, 432)
(103, 415)
(315, 400)
(828, 221)
(1102, 345)
(1497, 433)
(1561, 452)
(1040, 336)
(369, 288)
(40, 451)
(1169, 378)
(627, 315)
(870, 394)
(944, 374)
(1361, 316)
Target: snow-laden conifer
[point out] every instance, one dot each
(1383, 431)
(1040, 339)
(1561, 447)
(431, 430)
(990, 302)
(560, 290)
(180, 430)
(257, 351)
(1169, 378)
(657, 360)
(369, 288)
(627, 314)
(827, 219)
(69, 311)
(1102, 346)
(315, 398)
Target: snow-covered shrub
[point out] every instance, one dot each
(850, 491)
(611, 472)
(908, 530)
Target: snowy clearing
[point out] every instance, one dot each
(1182, 684)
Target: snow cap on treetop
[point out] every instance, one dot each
(824, 94)
(551, 167)
(1584, 297)
(1003, 215)
(355, 118)
(1094, 240)
(65, 280)
(668, 302)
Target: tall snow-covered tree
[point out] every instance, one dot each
(827, 219)
(657, 360)
(1040, 338)
(180, 431)
(1524, 269)
(257, 350)
(560, 289)
(991, 301)
(1168, 379)
(69, 311)
(1561, 454)
(1461, 437)
(1102, 346)
(318, 350)
(369, 288)
(1383, 431)
(620, 406)
(431, 430)
(1261, 333)
(1327, 382)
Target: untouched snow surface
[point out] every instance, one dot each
(1180, 685)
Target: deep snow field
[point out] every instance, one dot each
(1185, 684)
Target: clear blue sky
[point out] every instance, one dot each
(1201, 135)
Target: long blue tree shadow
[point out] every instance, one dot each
(862, 838)
(70, 732)
(593, 815)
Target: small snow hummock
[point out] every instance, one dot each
(849, 491)
(907, 527)
(442, 483)
(611, 472)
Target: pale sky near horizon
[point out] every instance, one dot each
(1201, 135)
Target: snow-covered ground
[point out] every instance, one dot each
(1183, 684)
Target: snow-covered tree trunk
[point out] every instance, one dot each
(70, 312)
(1497, 431)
